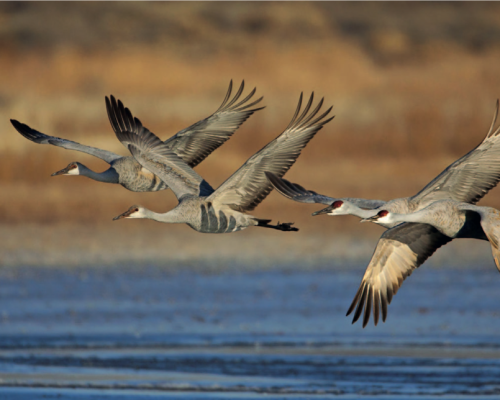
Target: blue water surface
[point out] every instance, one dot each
(142, 332)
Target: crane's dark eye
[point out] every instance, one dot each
(337, 204)
(72, 166)
(383, 213)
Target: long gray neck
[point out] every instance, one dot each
(424, 216)
(108, 176)
(361, 212)
(171, 217)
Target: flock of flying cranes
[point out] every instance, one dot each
(416, 226)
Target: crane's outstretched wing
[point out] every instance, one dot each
(469, 178)
(196, 142)
(41, 138)
(248, 186)
(155, 156)
(399, 251)
(121, 119)
(294, 191)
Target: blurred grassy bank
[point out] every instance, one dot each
(413, 87)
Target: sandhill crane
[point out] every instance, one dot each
(466, 180)
(192, 144)
(294, 191)
(415, 237)
(223, 210)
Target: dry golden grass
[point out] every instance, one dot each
(408, 98)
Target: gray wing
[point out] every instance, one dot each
(248, 186)
(155, 156)
(41, 138)
(121, 119)
(294, 191)
(196, 142)
(469, 178)
(399, 251)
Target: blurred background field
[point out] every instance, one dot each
(413, 86)
(136, 309)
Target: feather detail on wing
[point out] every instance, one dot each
(295, 192)
(469, 178)
(196, 142)
(399, 251)
(248, 186)
(122, 120)
(156, 157)
(41, 138)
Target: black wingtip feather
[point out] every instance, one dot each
(355, 300)
(376, 307)
(368, 306)
(361, 303)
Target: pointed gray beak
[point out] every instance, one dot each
(61, 172)
(370, 219)
(323, 211)
(131, 210)
(124, 215)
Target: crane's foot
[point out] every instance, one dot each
(285, 226)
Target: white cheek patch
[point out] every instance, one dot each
(336, 211)
(136, 214)
(73, 171)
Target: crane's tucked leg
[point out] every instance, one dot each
(285, 226)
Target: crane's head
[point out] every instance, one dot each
(132, 212)
(73, 168)
(382, 217)
(336, 208)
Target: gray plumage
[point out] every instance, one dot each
(295, 192)
(223, 210)
(405, 247)
(415, 238)
(192, 144)
(467, 180)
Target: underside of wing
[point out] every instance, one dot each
(248, 186)
(41, 138)
(295, 192)
(196, 142)
(399, 251)
(156, 157)
(469, 178)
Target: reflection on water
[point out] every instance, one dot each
(137, 333)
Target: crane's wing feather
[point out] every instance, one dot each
(41, 138)
(248, 186)
(469, 178)
(155, 156)
(196, 142)
(399, 251)
(294, 191)
(121, 119)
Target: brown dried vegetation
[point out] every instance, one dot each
(413, 87)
